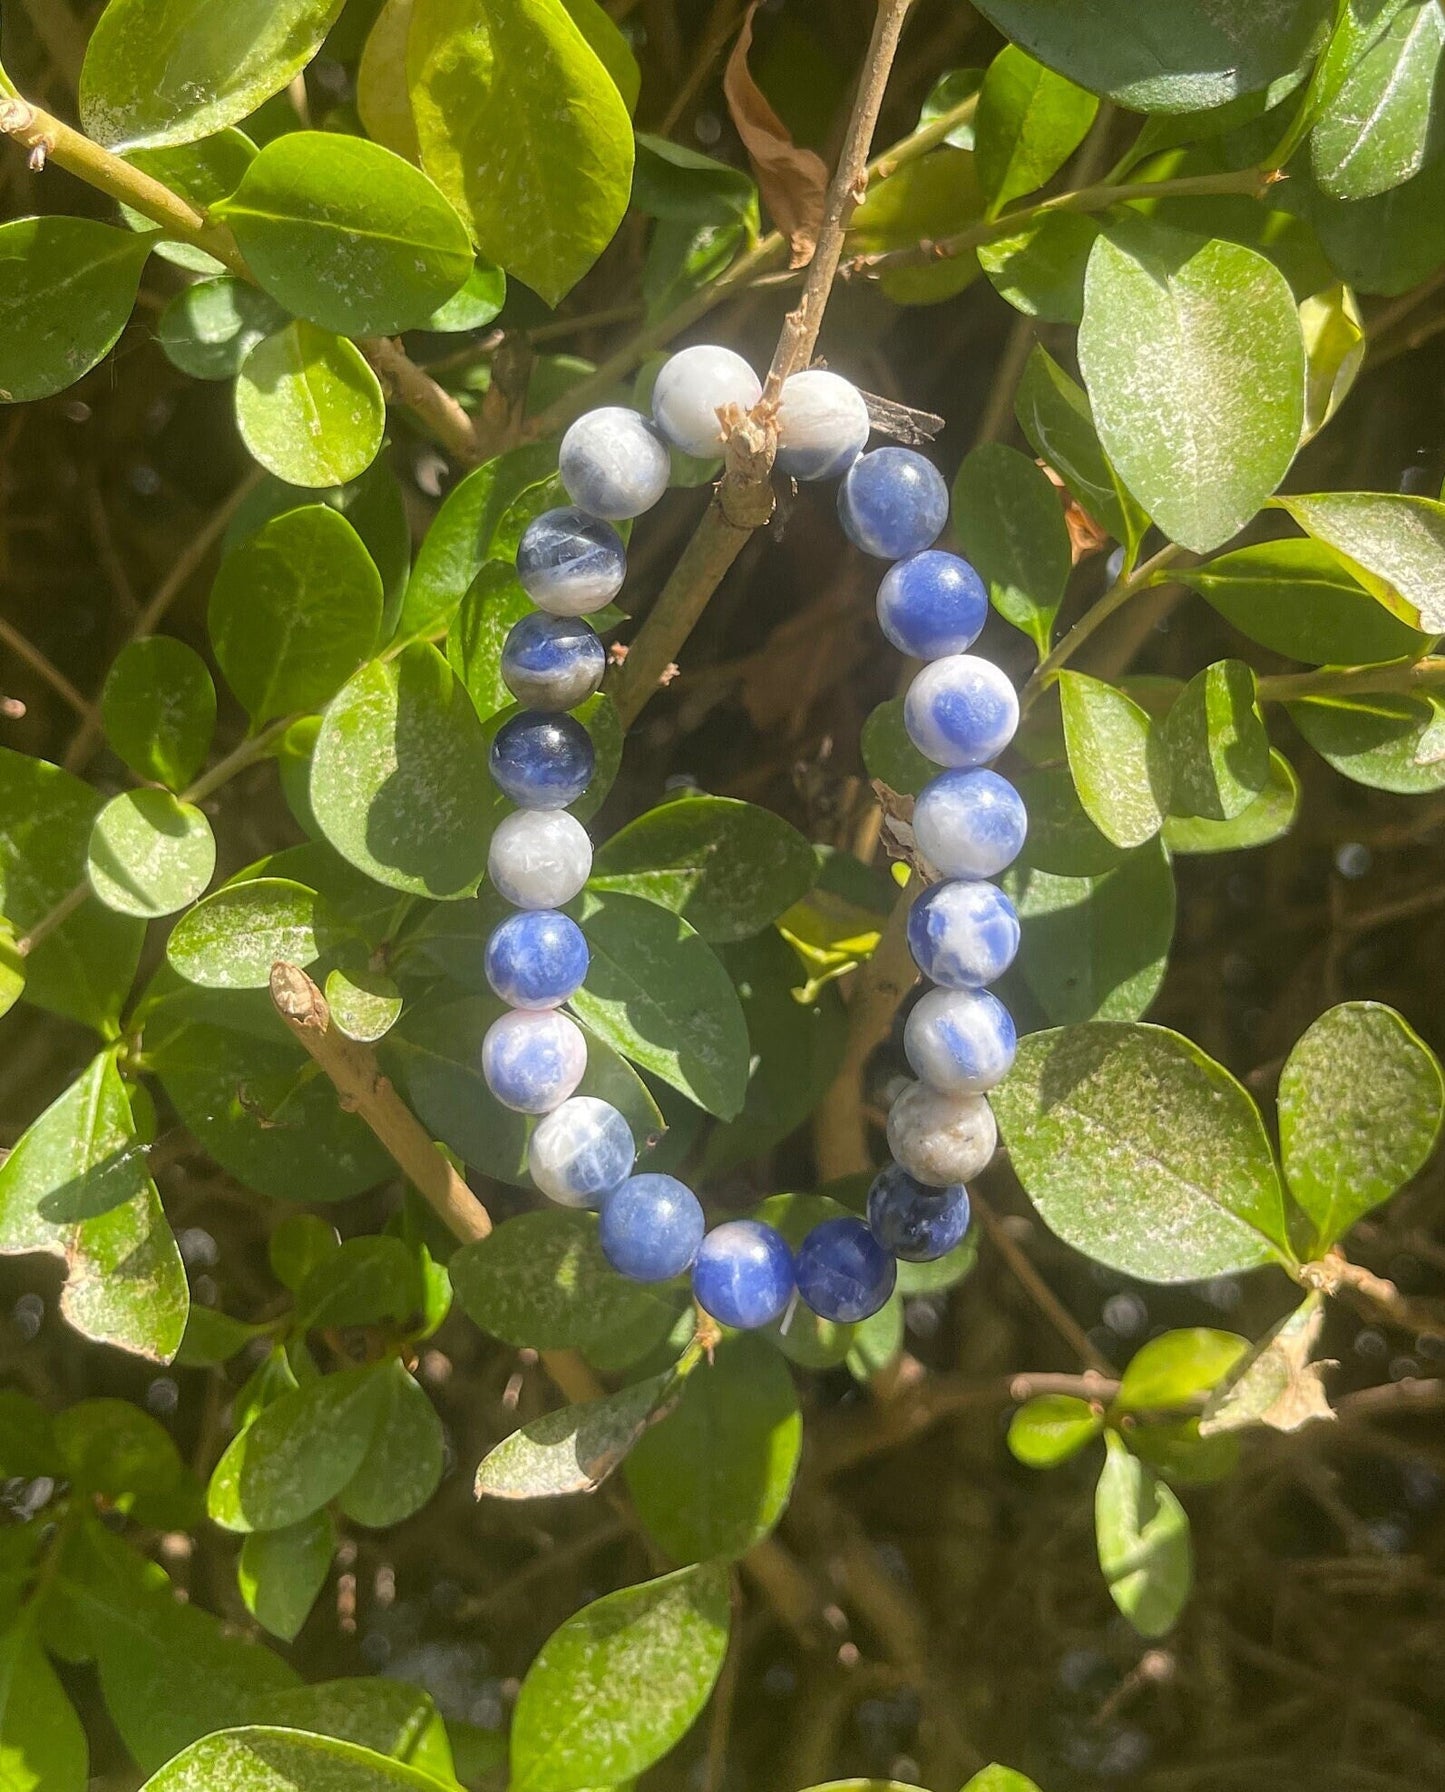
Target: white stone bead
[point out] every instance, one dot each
(581, 1152)
(959, 1041)
(690, 390)
(539, 858)
(941, 1139)
(613, 464)
(822, 425)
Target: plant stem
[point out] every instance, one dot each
(1347, 681)
(1098, 613)
(53, 676)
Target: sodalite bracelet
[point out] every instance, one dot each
(969, 824)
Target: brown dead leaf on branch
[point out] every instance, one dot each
(794, 181)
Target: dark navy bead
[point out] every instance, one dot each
(843, 1273)
(931, 604)
(569, 562)
(916, 1223)
(542, 761)
(536, 959)
(963, 934)
(744, 1274)
(961, 711)
(552, 662)
(893, 502)
(651, 1227)
(970, 823)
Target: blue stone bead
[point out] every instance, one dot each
(581, 1152)
(613, 463)
(552, 662)
(970, 823)
(533, 1061)
(651, 1228)
(692, 386)
(570, 563)
(893, 502)
(542, 761)
(743, 1275)
(916, 1223)
(823, 425)
(843, 1273)
(931, 604)
(961, 711)
(963, 934)
(536, 959)
(960, 1041)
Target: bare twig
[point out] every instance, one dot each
(1374, 1296)
(1038, 1290)
(432, 405)
(53, 676)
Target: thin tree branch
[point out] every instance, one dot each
(53, 676)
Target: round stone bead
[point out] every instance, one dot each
(970, 823)
(533, 1061)
(941, 1139)
(743, 1275)
(581, 1152)
(570, 563)
(893, 502)
(536, 959)
(539, 858)
(822, 425)
(963, 934)
(552, 662)
(931, 604)
(542, 761)
(691, 388)
(960, 1041)
(613, 464)
(843, 1273)
(916, 1223)
(651, 1228)
(961, 711)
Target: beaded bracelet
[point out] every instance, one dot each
(969, 824)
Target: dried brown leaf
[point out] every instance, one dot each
(794, 181)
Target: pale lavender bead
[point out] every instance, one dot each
(941, 1139)
(581, 1152)
(533, 1060)
(961, 711)
(960, 1041)
(822, 425)
(613, 464)
(969, 823)
(691, 388)
(539, 858)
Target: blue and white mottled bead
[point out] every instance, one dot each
(570, 563)
(613, 464)
(960, 1041)
(542, 761)
(743, 1275)
(651, 1227)
(843, 1273)
(552, 662)
(916, 1223)
(536, 959)
(822, 425)
(961, 711)
(692, 387)
(581, 1152)
(931, 604)
(941, 1139)
(893, 502)
(963, 934)
(533, 1061)
(539, 858)
(969, 823)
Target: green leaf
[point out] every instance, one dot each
(617, 1685)
(1361, 1099)
(212, 1338)
(889, 755)
(1194, 360)
(1386, 244)
(1212, 749)
(1061, 839)
(256, 1759)
(658, 995)
(934, 196)
(401, 1468)
(610, 47)
(1053, 412)
(309, 408)
(1334, 334)
(1039, 268)
(1387, 743)
(1142, 1152)
(1107, 735)
(360, 1282)
(1028, 123)
(232, 939)
(524, 130)
(1375, 132)
(364, 1004)
(1394, 544)
(67, 286)
(950, 90)
(1177, 1368)
(1178, 1450)
(159, 709)
(384, 1715)
(574, 1449)
(494, 602)
(201, 172)
(76, 1187)
(1143, 1537)
(12, 969)
(171, 71)
(27, 1437)
(280, 1573)
(683, 186)
(209, 329)
(479, 300)
(1007, 513)
(149, 853)
(1051, 1428)
(345, 233)
(1267, 818)
(113, 1448)
(42, 1741)
(400, 781)
(299, 1244)
(1000, 1779)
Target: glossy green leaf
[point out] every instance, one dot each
(1008, 514)
(951, 90)
(209, 329)
(280, 1573)
(381, 91)
(1028, 123)
(12, 969)
(149, 854)
(1394, 544)
(159, 709)
(1178, 1450)
(110, 1447)
(1062, 840)
(361, 1282)
(1051, 1428)
(1178, 1367)
(1143, 1539)
(299, 1243)
(401, 1468)
(932, 197)
(1211, 752)
(610, 47)
(212, 1338)
(574, 1449)
(1386, 244)
(42, 1742)
(258, 1759)
(1335, 338)
(682, 185)
(232, 939)
(372, 1711)
(67, 286)
(201, 172)
(1270, 816)
(1000, 1779)
(1053, 412)
(309, 407)
(1040, 267)
(364, 1003)
(1387, 743)
(494, 603)
(889, 755)
(476, 302)
(1108, 735)
(1375, 131)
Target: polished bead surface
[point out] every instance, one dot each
(961, 711)
(843, 1273)
(743, 1275)
(552, 662)
(570, 563)
(960, 1041)
(941, 1139)
(931, 604)
(536, 959)
(613, 464)
(542, 761)
(970, 823)
(533, 1061)
(692, 386)
(581, 1152)
(893, 502)
(651, 1227)
(916, 1223)
(963, 934)
(539, 858)
(822, 425)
